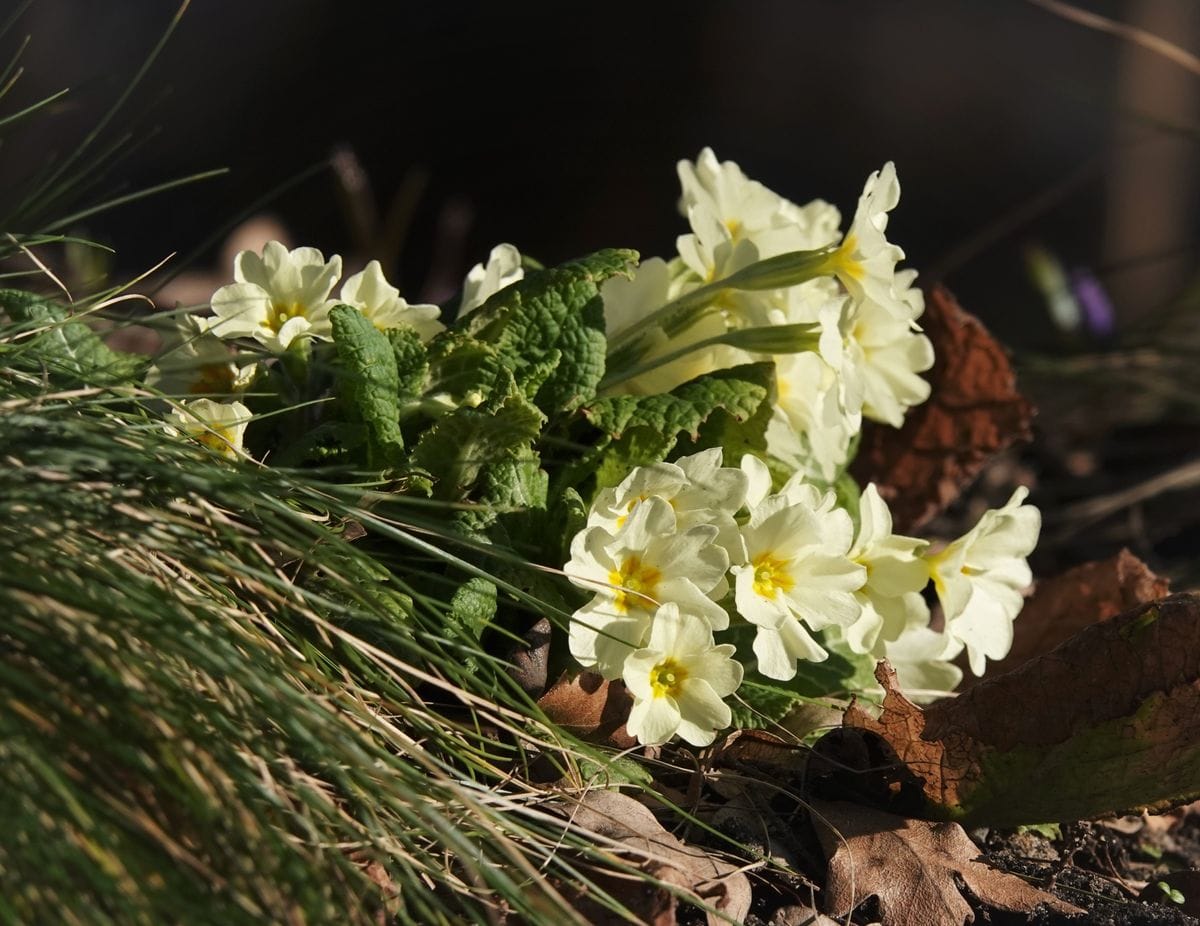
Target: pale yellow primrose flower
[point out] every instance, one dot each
(219, 426)
(921, 658)
(865, 263)
(195, 362)
(381, 303)
(795, 568)
(896, 575)
(503, 268)
(679, 679)
(647, 562)
(811, 426)
(749, 210)
(698, 488)
(278, 298)
(878, 355)
(711, 251)
(980, 576)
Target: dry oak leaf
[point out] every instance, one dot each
(1107, 722)
(910, 865)
(974, 411)
(1061, 607)
(632, 832)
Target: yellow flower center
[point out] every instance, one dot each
(935, 561)
(771, 575)
(280, 313)
(734, 226)
(667, 678)
(783, 387)
(218, 439)
(633, 503)
(212, 379)
(844, 263)
(635, 581)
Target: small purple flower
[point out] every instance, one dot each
(1097, 308)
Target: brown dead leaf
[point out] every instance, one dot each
(763, 750)
(1109, 721)
(1061, 607)
(910, 865)
(531, 659)
(974, 412)
(636, 836)
(591, 707)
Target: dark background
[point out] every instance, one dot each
(557, 126)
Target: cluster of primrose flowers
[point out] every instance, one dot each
(831, 310)
(678, 550)
(662, 550)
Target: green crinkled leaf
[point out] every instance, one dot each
(640, 430)
(513, 491)
(613, 772)
(412, 361)
(473, 606)
(738, 436)
(68, 349)
(760, 705)
(519, 483)
(460, 366)
(368, 384)
(569, 516)
(549, 329)
(456, 450)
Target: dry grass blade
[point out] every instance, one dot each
(1147, 40)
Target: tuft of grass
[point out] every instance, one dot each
(215, 708)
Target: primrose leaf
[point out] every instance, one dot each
(458, 448)
(640, 430)
(412, 361)
(549, 329)
(462, 366)
(513, 494)
(473, 606)
(737, 434)
(368, 384)
(67, 349)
